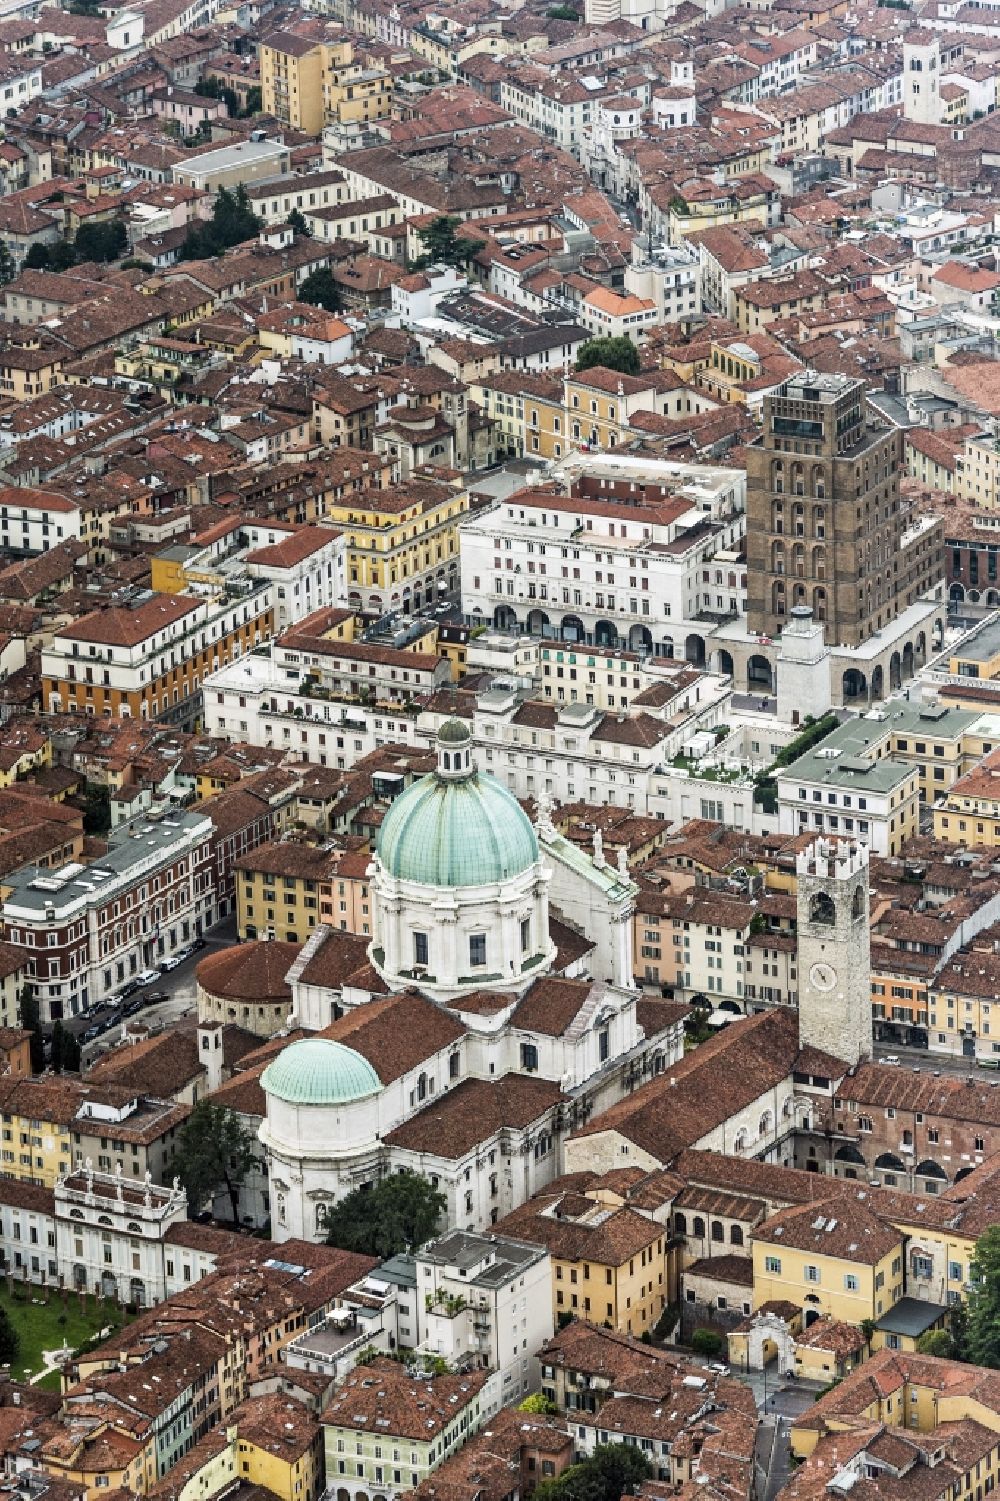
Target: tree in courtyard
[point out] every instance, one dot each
(214, 88)
(215, 1150)
(104, 241)
(70, 1053)
(612, 1471)
(58, 1037)
(936, 1342)
(233, 221)
(62, 256)
(706, 1342)
(10, 1340)
(538, 1403)
(612, 353)
(97, 809)
(982, 1324)
(402, 1211)
(297, 221)
(320, 288)
(31, 1021)
(443, 245)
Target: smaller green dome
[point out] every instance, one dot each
(319, 1071)
(454, 732)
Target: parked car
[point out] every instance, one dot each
(147, 976)
(198, 943)
(133, 1008)
(171, 962)
(890, 1058)
(90, 1034)
(129, 988)
(153, 996)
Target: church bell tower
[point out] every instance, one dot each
(834, 950)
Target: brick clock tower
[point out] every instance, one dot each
(834, 950)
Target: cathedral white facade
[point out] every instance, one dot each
(480, 1029)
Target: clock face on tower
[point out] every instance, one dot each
(823, 976)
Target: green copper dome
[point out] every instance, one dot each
(318, 1071)
(456, 828)
(453, 732)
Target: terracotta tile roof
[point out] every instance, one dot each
(294, 549)
(609, 1242)
(473, 1111)
(718, 1079)
(491, 1466)
(164, 1065)
(382, 1398)
(119, 626)
(29, 1196)
(336, 957)
(550, 1005)
(250, 972)
(618, 1358)
(846, 1230)
(834, 1335)
(396, 1033)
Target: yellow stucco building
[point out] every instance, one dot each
(401, 543)
(909, 1391)
(843, 1262)
(24, 749)
(310, 84)
(607, 1260)
(278, 889)
(272, 1441)
(969, 813)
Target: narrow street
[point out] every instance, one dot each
(773, 1457)
(779, 1401)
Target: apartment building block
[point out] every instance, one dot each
(86, 929)
(147, 658)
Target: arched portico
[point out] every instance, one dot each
(769, 1337)
(694, 650)
(760, 675)
(855, 686)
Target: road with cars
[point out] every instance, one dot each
(893, 1055)
(164, 996)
